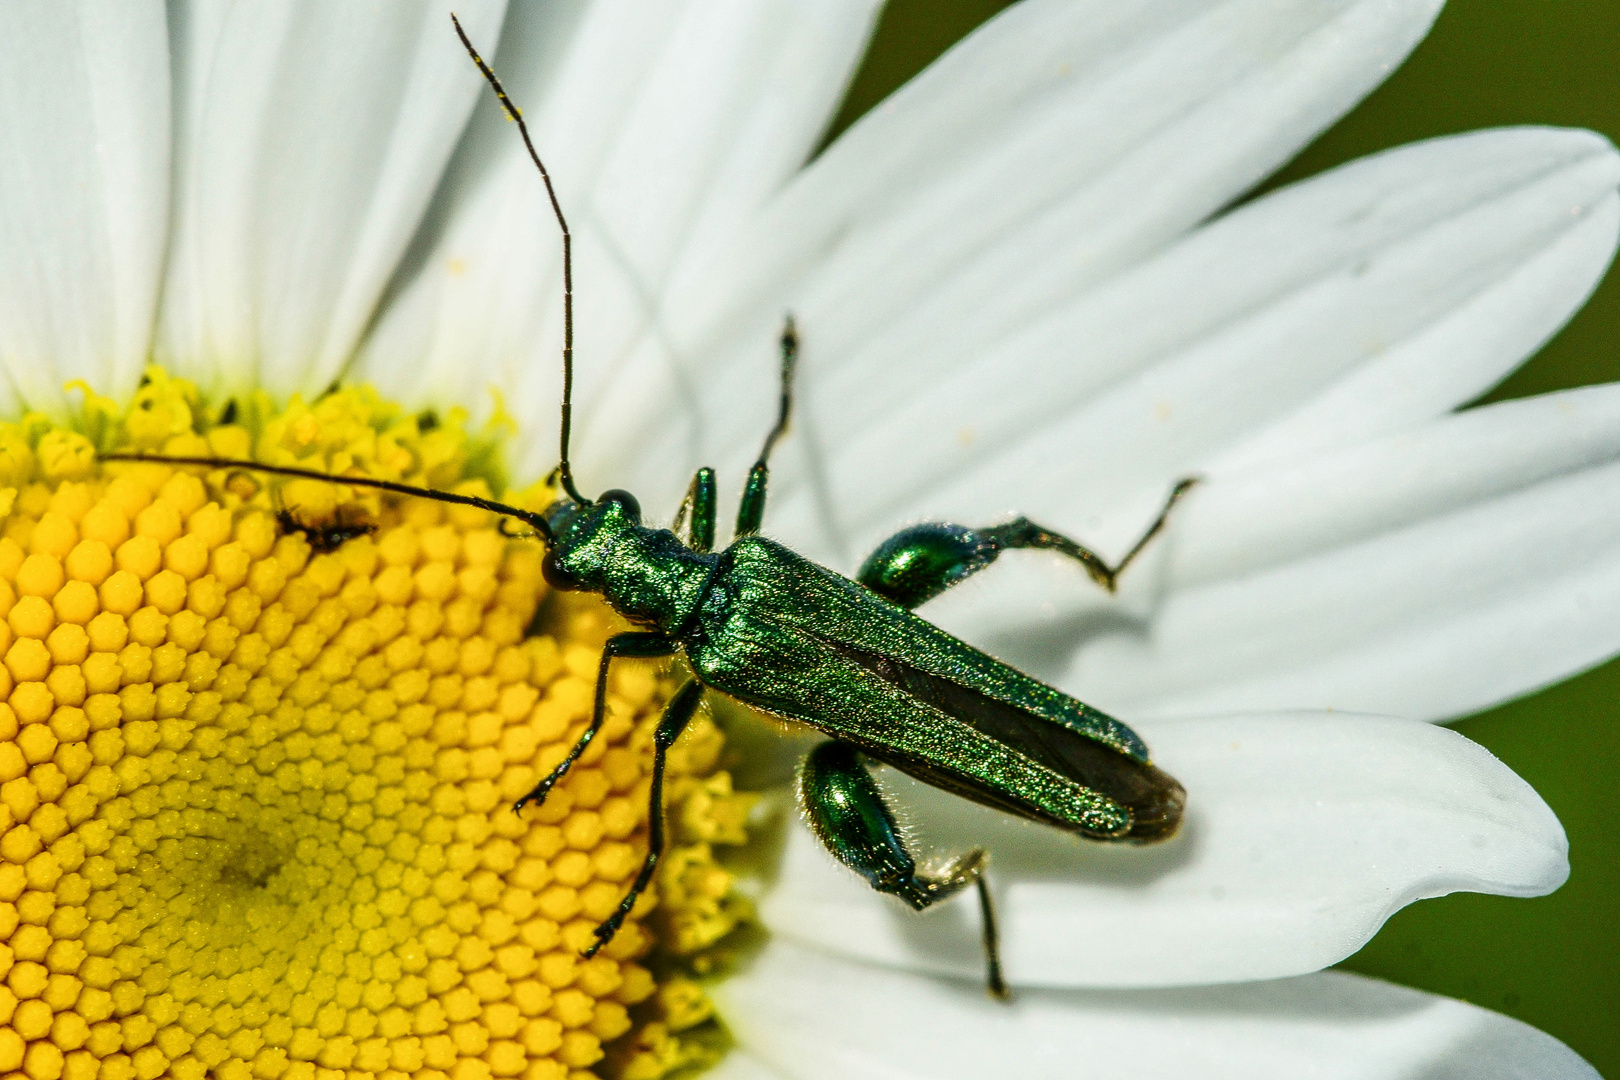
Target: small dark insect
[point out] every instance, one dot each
(324, 537)
(763, 625)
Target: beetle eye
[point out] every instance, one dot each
(627, 503)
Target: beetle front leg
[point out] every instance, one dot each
(917, 564)
(848, 814)
(635, 645)
(676, 716)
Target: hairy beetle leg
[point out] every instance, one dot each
(850, 816)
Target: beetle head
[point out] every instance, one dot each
(579, 531)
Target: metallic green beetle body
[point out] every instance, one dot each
(773, 629)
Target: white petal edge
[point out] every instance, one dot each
(84, 194)
(665, 129)
(1304, 833)
(1055, 147)
(310, 138)
(812, 1016)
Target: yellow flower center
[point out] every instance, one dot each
(255, 798)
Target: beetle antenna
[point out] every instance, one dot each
(535, 521)
(564, 472)
(790, 358)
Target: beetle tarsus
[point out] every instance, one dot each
(607, 931)
(538, 795)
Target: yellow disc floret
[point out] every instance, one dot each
(255, 797)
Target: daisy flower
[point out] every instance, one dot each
(259, 738)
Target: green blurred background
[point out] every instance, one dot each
(1552, 962)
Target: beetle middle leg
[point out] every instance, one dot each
(848, 813)
(676, 716)
(634, 645)
(917, 564)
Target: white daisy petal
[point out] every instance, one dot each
(1123, 127)
(811, 1016)
(84, 190)
(1056, 146)
(1304, 832)
(665, 129)
(310, 138)
(1264, 516)
(1430, 574)
(1313, 302)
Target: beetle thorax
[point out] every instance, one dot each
(647, 575)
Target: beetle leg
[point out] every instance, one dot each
(634, 645)
(670, 725)
(699, 502)
(751, 510)
(848, 813)
(917, 564)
